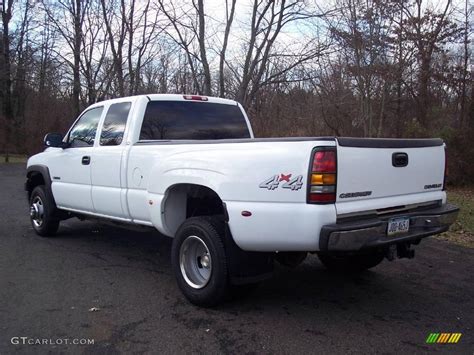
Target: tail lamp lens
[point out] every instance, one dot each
(323, 179)
(324, 161)
(322, 198)
(323, 176)
(323, 189)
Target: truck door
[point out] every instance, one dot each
(70, 168)
(108, 161)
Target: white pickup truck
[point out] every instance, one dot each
(190, 167)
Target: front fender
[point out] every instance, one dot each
(42, 170)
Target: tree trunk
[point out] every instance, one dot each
(6, 77)
(229, 19)
(76, 89)
(207, 89)
(423, 91)
(465, 66)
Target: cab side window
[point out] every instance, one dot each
(114, 124)
(83, 132)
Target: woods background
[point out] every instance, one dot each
(372, 68)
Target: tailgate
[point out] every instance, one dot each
(378, 174)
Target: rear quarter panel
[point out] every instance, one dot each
(281, 219)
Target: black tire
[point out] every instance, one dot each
(351, 263)
(45, 224)
(214, 288)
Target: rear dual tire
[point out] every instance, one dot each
(199, 261)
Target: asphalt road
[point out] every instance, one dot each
(48, 286)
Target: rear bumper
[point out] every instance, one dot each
(370, 233)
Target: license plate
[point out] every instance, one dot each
(398, 225)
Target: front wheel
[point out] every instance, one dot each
(199, 260)
(42, 210)
(351, 263)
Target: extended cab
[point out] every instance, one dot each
(190, 167)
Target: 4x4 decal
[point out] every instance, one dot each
(289, 183)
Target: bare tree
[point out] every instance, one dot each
(116, 37)
(143, 49)
(229, 18)
(183, 31)
(93, 53)
(397, 68)
(427, 30)
(362, 33)
(68, 18)
(202, 47)
(465, 64)
(5, 72)
(268, 18)
(132, 30)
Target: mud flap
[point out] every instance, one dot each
(246, 267)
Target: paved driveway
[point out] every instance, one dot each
(48, 286)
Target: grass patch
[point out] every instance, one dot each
(462, 231)
(13, 158)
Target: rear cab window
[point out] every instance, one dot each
(182, 120)
(114, 124)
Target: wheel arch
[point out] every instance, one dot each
(38, 175)
(186, 199)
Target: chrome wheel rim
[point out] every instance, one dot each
(195, 262)
(37, 211)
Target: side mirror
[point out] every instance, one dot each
(54, 140)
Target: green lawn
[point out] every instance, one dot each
(462, 232)
(14, 158)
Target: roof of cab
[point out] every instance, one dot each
(165, 97)
(181, 97)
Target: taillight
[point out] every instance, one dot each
(323, 176)
(445, 168)
(324, 161)
(195, 97)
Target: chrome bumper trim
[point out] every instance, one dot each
(362, 234)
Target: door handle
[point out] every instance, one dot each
(399, 160)
(86, 160)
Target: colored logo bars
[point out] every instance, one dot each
(443, 338)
